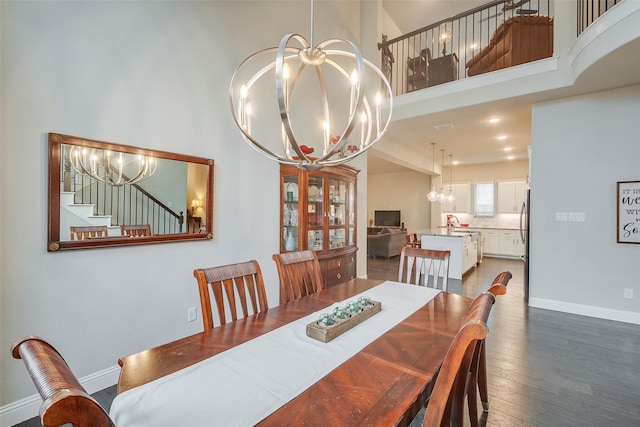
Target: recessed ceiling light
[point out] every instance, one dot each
(510, 158)
(455, 162)
(502, 137)
(443, 126)
(507, 148)
(494, 120)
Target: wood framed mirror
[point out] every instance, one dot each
(107, 194)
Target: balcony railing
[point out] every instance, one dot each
(492, 36)
(590, 10)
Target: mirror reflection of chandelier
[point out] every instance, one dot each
(109, 166)
(342, 106)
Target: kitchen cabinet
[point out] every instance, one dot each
(502, 243)
(462, 202)
(318, 212)
(469, 253)
(462, 245)
(510, 243)
(511, 196)
(490, 241)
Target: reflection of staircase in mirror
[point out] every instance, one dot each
(72, 213)
(90, 202)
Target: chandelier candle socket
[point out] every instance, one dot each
(300, 95)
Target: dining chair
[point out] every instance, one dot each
(83, 232)
(135, 230)
(426, 267)
(498, 287)
(231, 284)
(446, 403)
(64, 399)
(415, 242)
(299, 274)
(408, 242)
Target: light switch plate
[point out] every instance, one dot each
(561, 216)
(628, 293)
(576, 216)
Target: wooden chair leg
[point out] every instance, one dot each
(482, 378)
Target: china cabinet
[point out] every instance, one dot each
(318, 212)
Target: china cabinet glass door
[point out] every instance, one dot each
(315, 213)
(290, 214)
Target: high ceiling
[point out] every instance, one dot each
(465, 133)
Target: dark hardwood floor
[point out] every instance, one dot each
(545, 368)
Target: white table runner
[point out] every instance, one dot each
(243, 385)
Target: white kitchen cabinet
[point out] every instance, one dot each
(502, 243)
(490, 241)
(462, 202)
(469, 253)
(463, 248)
(511, 195)
(511, 244)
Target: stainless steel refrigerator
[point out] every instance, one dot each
(525, 232)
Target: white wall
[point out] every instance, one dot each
(150, 74)
(404, 191)
(581, 147)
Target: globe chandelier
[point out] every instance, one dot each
(288, 116)
(108, 166)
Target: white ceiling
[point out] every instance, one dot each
(472, 140)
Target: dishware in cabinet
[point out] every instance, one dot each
(325, 217)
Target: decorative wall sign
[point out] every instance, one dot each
(628, 227)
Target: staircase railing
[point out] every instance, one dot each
(126, 204)
(590, 10)
(438, 52)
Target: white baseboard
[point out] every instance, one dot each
(586, 310)
(29, 407)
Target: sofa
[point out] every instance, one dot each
(387, 243)
(516, 41)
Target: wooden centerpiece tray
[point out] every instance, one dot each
(327, 333)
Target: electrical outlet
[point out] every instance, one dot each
(191, 314)
(561, 216)
(628, 293)
(576, 216)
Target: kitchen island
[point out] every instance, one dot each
(462, 244)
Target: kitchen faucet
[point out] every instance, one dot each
(450, 223)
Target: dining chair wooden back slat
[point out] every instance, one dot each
(83, 232)
(65, 401)
(231, 284)
(446, 404)
(135, 230)
(426, 267)
(299, 274)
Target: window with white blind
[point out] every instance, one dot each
(483, 197)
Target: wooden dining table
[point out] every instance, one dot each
(384, 384)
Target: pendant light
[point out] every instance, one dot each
(442, 197)
(450, 198)
(433, 195)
